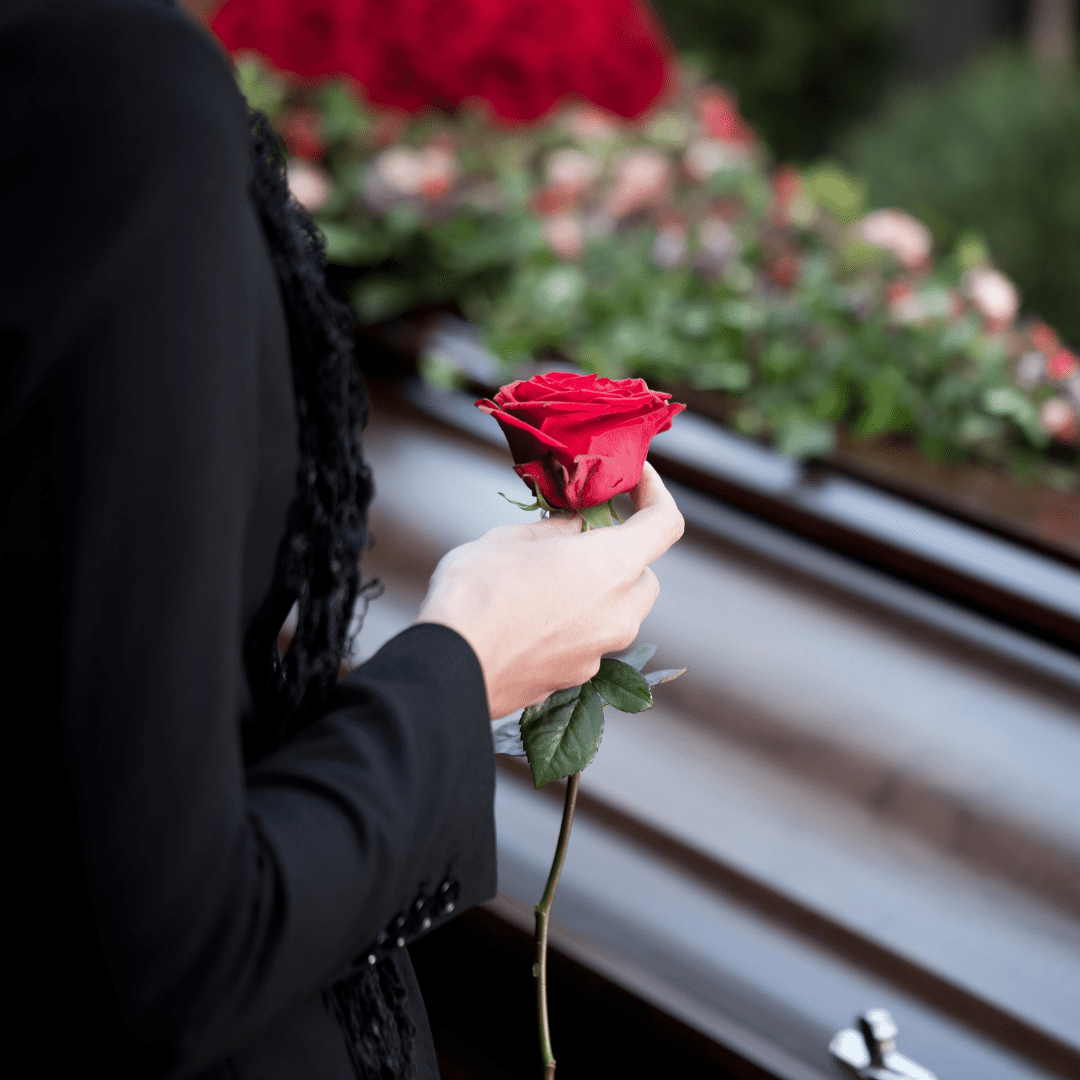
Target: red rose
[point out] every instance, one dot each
(1061, 364)
(623, 65)
(522, 56)
(579, 440)
(302, 131)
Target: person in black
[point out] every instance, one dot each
(216, 854)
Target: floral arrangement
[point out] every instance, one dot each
(668, 248)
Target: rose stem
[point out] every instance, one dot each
(542, 911)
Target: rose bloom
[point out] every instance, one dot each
(1058, 419)
(521, 56)
(565, 235)
(704, 157)
(909, 240)
(1061, 365)
(717, 238)
(625, 69)
(309, 37)
(993, 294)
(406, 171)
(310, 185)
(1044, 339)
(573, 171)
(579, 440)
(588, 124)
(643, 181)
(301, 131)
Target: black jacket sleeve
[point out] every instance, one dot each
(137, 311)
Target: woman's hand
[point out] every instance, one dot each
(541, 603)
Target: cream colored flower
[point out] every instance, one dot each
(704, 157)
(406, 171)
(588, 124)
(643, 181)
(893, 230)
(1058, 419)
(571, 169)
(993, 294)
(565, 235)
(311, 186)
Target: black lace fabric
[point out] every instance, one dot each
(372, 1007)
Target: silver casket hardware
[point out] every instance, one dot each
(869, 1052)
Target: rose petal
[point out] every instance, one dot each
(578, 440)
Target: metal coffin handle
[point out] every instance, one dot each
(869, 1053)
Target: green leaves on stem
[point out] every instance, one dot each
(561, 735)
(620, 685)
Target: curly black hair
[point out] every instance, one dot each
(318, 562)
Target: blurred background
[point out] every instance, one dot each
(851, 228)
(847, 233)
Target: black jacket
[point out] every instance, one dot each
(177, 912)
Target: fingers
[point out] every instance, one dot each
(645, 592)
(657, 523)
(626, 619)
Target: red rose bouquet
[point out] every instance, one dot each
(577, 441)
(521, 56)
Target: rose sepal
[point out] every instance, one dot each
(540, 504)
(600, 516)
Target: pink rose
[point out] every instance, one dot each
(907, 238)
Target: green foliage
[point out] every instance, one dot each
(562, 734)
(803, 69)
(995, 151)
(790, 366)
(620, 685)
(762, 291)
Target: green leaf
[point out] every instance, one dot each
(561, 735)
(620, 685)
(597, 517)
(655, 678)
(637, 657)
(507, 738)
(555, 701)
